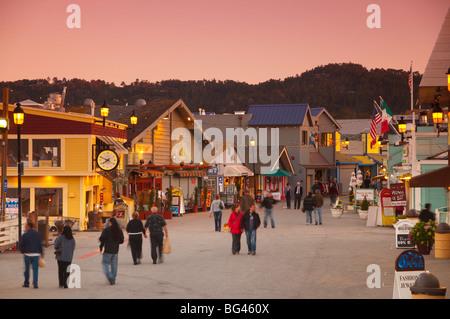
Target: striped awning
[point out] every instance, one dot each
(144, 173)
(191, 173)
(364, 160)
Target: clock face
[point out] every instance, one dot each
(107, 160)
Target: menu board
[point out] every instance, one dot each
(398, 194)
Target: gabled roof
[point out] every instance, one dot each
(279, 115)
(317, 111)
(434, 75)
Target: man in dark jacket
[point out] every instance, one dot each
(308, 206)
(298, 193)
(426, 214)
(30, 246)
(267, 204)
(156, 224)
(250, 222)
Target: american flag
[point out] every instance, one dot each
(373, 126)
(410, 79)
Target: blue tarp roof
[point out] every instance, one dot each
(278, 114)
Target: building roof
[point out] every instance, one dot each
(279, 114)
(438, 64)
(317, 111)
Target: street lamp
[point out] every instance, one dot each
(104, 111)
(133, 120)
(18, 120)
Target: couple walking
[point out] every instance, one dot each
(313, 203)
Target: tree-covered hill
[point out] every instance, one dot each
(347, 91)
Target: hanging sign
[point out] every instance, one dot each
(398, 194)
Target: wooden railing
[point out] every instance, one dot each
(9, 234)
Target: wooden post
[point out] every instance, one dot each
(5, 153)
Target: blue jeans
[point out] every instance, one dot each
(251, 240)
(268, 213)
(309, 216)
(217, 220)
(318, 214)
(34, 261)
(109, 262)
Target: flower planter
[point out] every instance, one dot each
(363, 214)
(195, 208)
(336, 212)
(424, 249)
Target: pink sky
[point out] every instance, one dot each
(245, 40)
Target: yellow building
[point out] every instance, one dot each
(61, 177)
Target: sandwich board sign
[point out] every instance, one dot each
(402, 229)
(408, 266)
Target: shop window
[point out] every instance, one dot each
(47, 153)
(12, 159)
(48, 199)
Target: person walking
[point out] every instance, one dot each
(318, 203)
(30, 245)
(267, 204)
(216, 208)
(333, 191)
(110, 239)
(156, 224)
(234, 222)
(250, 222)
(64, 247)
(135, 230)
(308, 207)
(298, 193)
(288, 195)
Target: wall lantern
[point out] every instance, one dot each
(4, 124)
(448, 79)
(401, 126)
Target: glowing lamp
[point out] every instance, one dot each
(437, 114)
(401, 126)
(18, 115)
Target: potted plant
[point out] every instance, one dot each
(422, 234)
(195, 206)
(336, 211)
(364, 209)
(205, 197)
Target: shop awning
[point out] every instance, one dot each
(115, 143)
(364, 160)
(278, 172)
(437, 178)
(191, 173)
(148, 173)
(236, 170)
(383, 176)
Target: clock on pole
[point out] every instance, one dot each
(107, 160)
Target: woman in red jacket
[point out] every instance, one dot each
(234, 222)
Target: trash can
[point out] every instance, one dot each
(427, 286)
(442, 241)
(93, 218)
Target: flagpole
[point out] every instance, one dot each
(415, 193)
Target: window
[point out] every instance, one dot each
(48, 199)
(326, 139)
(12, 152)
(46, 153)
(304, 137)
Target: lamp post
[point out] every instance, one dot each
(18, 120)
(133, 120)
(253, 143)
(402, 127)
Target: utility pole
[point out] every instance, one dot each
(5, 153)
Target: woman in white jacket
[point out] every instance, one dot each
(216, 207)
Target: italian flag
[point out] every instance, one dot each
(386, 117)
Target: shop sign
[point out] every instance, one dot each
(408, 266)
(365, 192)
(402, 229)
(398, 194)
(213, 170)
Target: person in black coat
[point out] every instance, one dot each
(250, 222)
(298, 193)
(308, 207)
(110, 239)
(30, 245)
(135, 230)
(426, 214)
(267, 204)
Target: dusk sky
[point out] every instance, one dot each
(247, 40)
